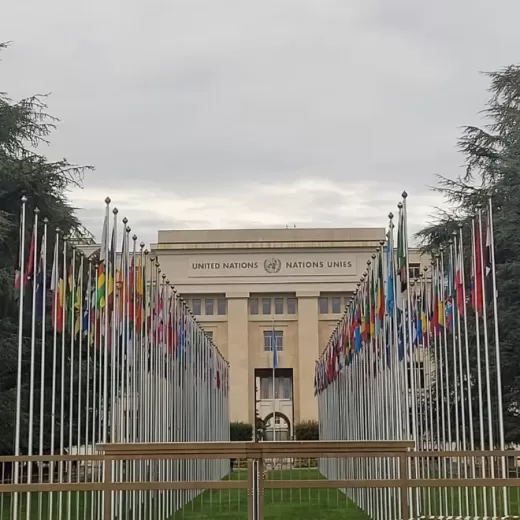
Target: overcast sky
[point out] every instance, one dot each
(242, 113)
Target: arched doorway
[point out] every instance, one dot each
(279, 429)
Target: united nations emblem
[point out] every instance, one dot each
(272, 265)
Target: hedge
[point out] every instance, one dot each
(240, 431)
(307, 431)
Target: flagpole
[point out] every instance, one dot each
(34, 259)
(479, 365)
(486, 361)
(89, 449)
(55, 298)
(43, 259)
(63, 360)
(454, 320)
(274, 356)
(457, 344)
(71, 372)
(497, 352)
(467, 367)
(20, 350)
(439, 378)
(80, 369)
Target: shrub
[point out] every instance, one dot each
(307, 431)
(240, 431)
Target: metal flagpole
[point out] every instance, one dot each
(55, 288)
(20, 351)
(89, 449)
(479, 369)
(454, 321)
(274, 350)
(104, 258)
(80, 371)
(43, 281)
(33, 260)
(457, 267)
(497, 351)
(63, 362)
(72, 325)
(468, 372)
(486, 361)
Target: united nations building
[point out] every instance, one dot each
(244, 284)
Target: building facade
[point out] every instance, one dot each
(243, 285)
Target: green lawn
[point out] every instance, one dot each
(286, 504)
(282, 504)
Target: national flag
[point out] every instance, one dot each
(488, 261)
(56, 317)
(390, 279)
(441, 312)
(104, 240)
(476, 273)
(372, 305)
(424, 314)
(40, 297)
(401, 253)
(100, 284)
(274, 348)
(459, 286)
(18, 282)
(380, 292)
(111, 271)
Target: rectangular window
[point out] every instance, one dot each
(324, 305)
(268, 336)
(336, 304)
(266, 389)
(253, 306)
(209, 333)
(222, 307)
(286, 388)
(415, 271)
(209, 307)
(196, 307)
(419, 375)
(266, 305)
(278, 305)
(291, 305)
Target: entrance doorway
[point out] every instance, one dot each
(275, 401)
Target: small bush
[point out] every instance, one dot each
(240, 431)
(307, 431)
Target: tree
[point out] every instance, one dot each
(24, 127)
(492, 169)
(259, 427)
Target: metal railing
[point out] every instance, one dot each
(379, 477)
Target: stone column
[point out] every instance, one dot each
(238, 357)
(308, 351)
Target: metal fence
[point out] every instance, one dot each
(265, 480)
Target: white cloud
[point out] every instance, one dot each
(310, 202)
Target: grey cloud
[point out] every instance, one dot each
(196, 97)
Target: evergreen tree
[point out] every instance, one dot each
(24, 127)
(492, 169)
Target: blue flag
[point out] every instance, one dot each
(274, 348)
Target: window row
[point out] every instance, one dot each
(211, 306)
(273, 306)
(282, 388)
(332, 304)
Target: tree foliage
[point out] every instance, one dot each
(492, 168)
(25, 127)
